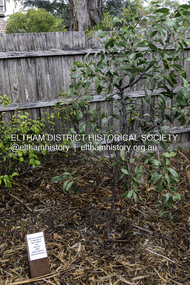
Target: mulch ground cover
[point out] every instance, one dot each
(144, 249)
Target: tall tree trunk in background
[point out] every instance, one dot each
(85, 14)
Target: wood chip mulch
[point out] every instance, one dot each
(145, 249)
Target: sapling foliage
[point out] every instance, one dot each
(146, 53)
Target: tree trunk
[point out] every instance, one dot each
(85, 14)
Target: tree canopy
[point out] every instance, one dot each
(58, 8)
(33, 21)
(63, 8)
(67, 11)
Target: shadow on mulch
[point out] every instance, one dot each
(145, 249)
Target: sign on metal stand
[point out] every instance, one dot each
(37, 254)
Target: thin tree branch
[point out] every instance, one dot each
(114, 191)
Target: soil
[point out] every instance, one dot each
(144, 248)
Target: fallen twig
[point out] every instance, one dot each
(41, 278)
(145, 230)
(28, 208)
(160, 255)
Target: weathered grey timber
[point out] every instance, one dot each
(44, 53)
(34, 68)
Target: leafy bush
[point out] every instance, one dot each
(15, 150)
(33, 21)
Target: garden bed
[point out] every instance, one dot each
(144, 249)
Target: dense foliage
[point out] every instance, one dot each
(131, 57)
(15, 151)
(33, 21)
(61, 9)
(115, 7)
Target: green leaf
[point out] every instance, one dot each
(152, 46)
(184, 6)
(165, 11)
(37, 162)
(173, 172)
(116, 117)
(110, 43)
(78, 64)
(65, 185)
(105, 121)
(69, 185)
(82, 128)
(120, 60)
(14, 174)
(19, 153)
(153, 33)
(122, 154)
(125, 171)
(160, 214)
(135, 196)
(75, 105)
(99, 89)
(124, 195)
(102, 35)
(167, 162)
(159, 186)
(79, 116)
(57, 178)
(170, 216)
(130, 193)
(155, 162)
(168, 180)
(72, 143)
(74, 76)
(166, 198)
(177, 67)
(142, 44)
(155, 177)
(169, 154)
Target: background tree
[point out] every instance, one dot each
(80, 14)
(33, 21)
(85, 14)
(60, 9)
(76, 14)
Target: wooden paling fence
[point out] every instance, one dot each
(34, 68)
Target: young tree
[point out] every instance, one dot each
(132, 57)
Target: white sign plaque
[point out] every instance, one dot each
(36, 246)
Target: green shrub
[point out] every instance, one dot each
(20, 141)
(33, 21)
